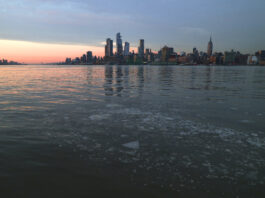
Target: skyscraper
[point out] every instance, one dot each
(119, 44)
(89, 57)
(166, 52)
(83, 58)
(210, 48)
(141, 48)
(109, 48)
(126, 49)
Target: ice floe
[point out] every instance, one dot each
(132, 145)
(99, 117)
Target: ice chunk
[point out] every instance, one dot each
(132, 145)
(99, 117)
(113, 105)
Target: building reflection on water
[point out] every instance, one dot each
(108, 81)
(166, 77)
(140, 79)
(120, 81)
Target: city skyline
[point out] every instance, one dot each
(46, 31)
(165, 56)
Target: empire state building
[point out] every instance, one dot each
(210, 48)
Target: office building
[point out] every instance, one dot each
(68, 61)
(166, 52)
(210, 48)
(230, 57)
(83, 59)
(89, 57)
(261, 57)
(109, 48)
(126, 49)
(141, 48)
(119, 45)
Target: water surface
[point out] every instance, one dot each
(127, 131)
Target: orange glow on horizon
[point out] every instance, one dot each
(34, 53)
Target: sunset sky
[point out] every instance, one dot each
(35, 31)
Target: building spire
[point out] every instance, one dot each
(210, 47)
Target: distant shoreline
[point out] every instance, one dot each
(138, 65)
(160, 64)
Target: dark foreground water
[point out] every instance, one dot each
(132, 131)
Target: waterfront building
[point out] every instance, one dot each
(109, 48)
(261, 57)
(252, 60)
(195, 52)
(148, 51)
(5, 62)
(77, 60)
(172, 58)
(165, 53)
(137, 59)
(126, 49)
(241, 59)
(89, 57)
(83, 59)
(68, 61)
(149, 55)
(229, 58)
(119, 45)
(141, 48)
(210, 48)
(195, 55)
(216, 58)
(184, 59)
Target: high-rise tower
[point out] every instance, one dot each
(126, 49)
(141, 48)
(210, 48)
(109, 48)
(119, 44)
(89, 57)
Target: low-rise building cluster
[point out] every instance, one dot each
(6, 62)
(85, 59)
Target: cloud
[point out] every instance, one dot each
(172, 22)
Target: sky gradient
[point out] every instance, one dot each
(35, 31)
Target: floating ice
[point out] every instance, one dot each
(245, 121)
(99, 117)
(124, 136)
(113, 105)
(132, 145)
(111, 149)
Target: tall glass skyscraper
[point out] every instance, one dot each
(126, 49)
(141, 48)
(109, 48)
(89, 57)
(119, 44)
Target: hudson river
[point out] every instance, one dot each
(132, 131)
